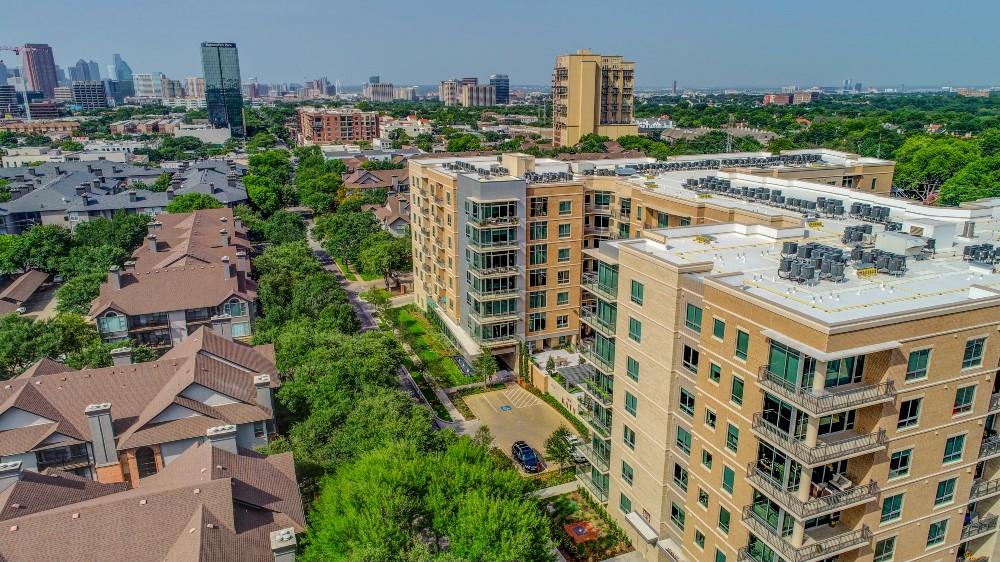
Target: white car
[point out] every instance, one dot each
(575, 443)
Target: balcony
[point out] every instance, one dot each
(594, 208)
(592, 486)
(827, 449)
(821, 404)
(592, 284)
(596, 459)
(496, 271)
(494, 221)
(994, 403)
(511, 316)
(495, 341)
(495, 294)
(606, 364)
(990, 448)
(592, 319)
(601, 428)
(493, 245)
(597, 392)
(596, 230)
(984, 488)
(818, 544)
(853, 496)
(979, 527)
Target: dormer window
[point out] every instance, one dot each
(112, 322)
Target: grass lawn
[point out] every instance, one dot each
(575, 507)
(345, 270)
(368, 276)
(431, 346)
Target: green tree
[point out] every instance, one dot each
(989, 142)
(98, 354)
(385, 254)
(36, 140)
(923, 163)
(192, 202)
(70, 145)
(485, 366)
(264, 193)
(425, 142)
(386, 164)
(557, 448)
(343, 234)
(381, 300)
(13, 253)
(261, 141)
(592, 143)
(283, 227)
(464, 143)
(275, 164)
(160, 185)
(46, 245)
(8, 139)
(977, 180)
(18, 349)
(76, 294)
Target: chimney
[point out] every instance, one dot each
(151, 242)
(224, 237)
(99, 172)
(223, 437)
(95, 184)
(241, 261)
(222, 326)
(32, 171)
(10, 474)
(170, 193)
(153, 227)
(85, 200)
(121, 356)
(131, 196)
(115, 277)
(211, 187)
(90, 169)
(102, 435)
(15, 193)
(226, 267)
(58, 170)
(263, 385)
(238, 222)
(19, 177)
(81, 189)
(231, 178)
(395, 184)
(283, 545)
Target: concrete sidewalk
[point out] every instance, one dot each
(558, 490)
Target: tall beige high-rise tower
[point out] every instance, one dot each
(592, 93)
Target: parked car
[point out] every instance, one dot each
(575, 444)
(526, 457)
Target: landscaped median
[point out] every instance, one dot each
(431, 346)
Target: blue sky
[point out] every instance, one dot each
(697, 43)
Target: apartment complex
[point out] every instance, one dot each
(592, 93)
(775, 369)
(336, 125)
(150, 300)
(478, 95)
(449, 92)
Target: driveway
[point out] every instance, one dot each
(514, 414)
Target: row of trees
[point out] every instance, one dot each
(950, 170)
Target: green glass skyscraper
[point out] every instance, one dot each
(221, 65)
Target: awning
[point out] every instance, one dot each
(831, 356)
(647, 532)
(672, 550)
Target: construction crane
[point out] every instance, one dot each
(17, 52)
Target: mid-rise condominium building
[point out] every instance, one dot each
(449, 92)
(379, 91)
(478, 95)
(592, 93)
(90, 94)
(774, 369)
(336, 125)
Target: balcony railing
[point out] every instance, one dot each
(590, 316)
(593, 208)
(493, 318)
(495, 341)
(592, 487)
(594, 389)
(824, 451)
(601, 428)
(509, 292)
(587, 350)
(994, 402)
(979, 526)
(493, 245)
(483, 271)
(984, 488)
(596, 230)
(819, 404)
(811, 552)
(990, 448)
(598, 460)
(592, 284)
(494, 221)
(855, 495)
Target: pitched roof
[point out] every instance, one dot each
(45, 366)
(396, 208)
(375, 179)
(36, 492)
(22, 288)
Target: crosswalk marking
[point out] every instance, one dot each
(520, 398)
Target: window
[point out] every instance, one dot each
(892, 508)
(916, 365)
(945, 491)
(680, 477)
(565, 207)
(562, 277)
(536, 321)
(241, 329)
(687, 402)
(628, 474)
(714, 372)
(538, 231)
(728, 478)
(113, 322)
(632, 368)
(936, 532)
(719, 556)
(562, 297)
(884, 549)
(724, 518)
(259, 430)
(628, 436)
(631, 403)
(692, 319)
(702, 497)
(538, 206)
(562, 321)
(684, 440)
(145, 460)
(565, 230)
(719, 328)
(732, 437)
(235, 307)
(963, 399)
(624, 504)
(699, 539)
(563, 255)
(742, 344)
(677, 515)
(637, 292)
(899, 463)
(538, 254)
(706, 459)
(635, 330)
(710, 418)
(973, 353)
(536, 299)
(909, 413)
(537, 278)
(953, 448)
(690, 359)
(736, 393)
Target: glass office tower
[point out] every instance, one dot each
(221, 65)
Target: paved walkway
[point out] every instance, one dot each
(361, 308)
(558, 490)
(627, 557)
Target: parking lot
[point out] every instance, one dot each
(514, 414)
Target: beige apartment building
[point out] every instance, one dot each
(592, 93)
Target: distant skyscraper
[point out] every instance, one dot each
(373, 79)
(80, 71)
(501, 86)
(95, 70)
(118, 90)
(194, 87)
(3, 74)
(90, 94)
(221, 65)
(148, 85)
(119, 69)
(581, 83)
(40, 68)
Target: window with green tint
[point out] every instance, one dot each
(936, 532)
(724, 518)
(973, 353)
(635, 330)
(916, 365)
(719, 556)
(538, 231)
(692, 318)
(632, 368)
(953, 448)
(706, 458)
(628, 436)
(628, 475)
(736, 392)
(945, 491)
(909, 413)
(899, 463)
(680, 477)
(687, 402)
(964, 398)
(699, 539)
(684, 440)
(562, 297)
(563, 254)
(728, 479)
(702, 497)
(885, 549)
(565, 207)
(565, 230)
(637, 292)
(714, 372)
(631, 403)
(718, 328)
(742, 344)
(710, 418)
(536, 299)
(732, 438)
(624, 504)
(538, 254)
(677, 515)
(892, 508)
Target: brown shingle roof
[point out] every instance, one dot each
(36, 492)
(21, 289)
(375, 179)
(45, 366)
